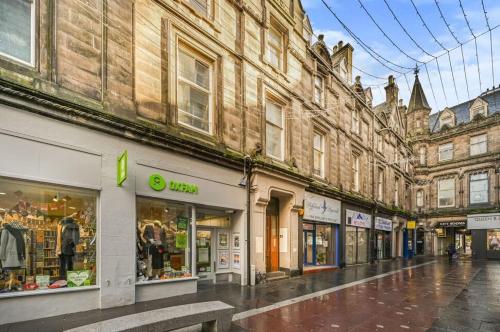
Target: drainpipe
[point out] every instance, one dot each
(249, 188)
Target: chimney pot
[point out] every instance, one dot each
(340, 44)
(321, 37)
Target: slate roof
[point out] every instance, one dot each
(492, 97)
(417, 98)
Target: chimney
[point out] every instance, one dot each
(340, 44)
(391, 91)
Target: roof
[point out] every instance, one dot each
(417, 98)
(462, 115)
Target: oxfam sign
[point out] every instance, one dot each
(158, 183)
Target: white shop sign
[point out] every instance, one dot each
(359, 219)
(383, 224)
(320, 208)
(483, 221)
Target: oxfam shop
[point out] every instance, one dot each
(188, 229)
(320, 226)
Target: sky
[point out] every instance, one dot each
(422, 49)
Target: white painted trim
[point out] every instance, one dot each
(48, 291)
(43, 180)
(253, 312)
(164, 281)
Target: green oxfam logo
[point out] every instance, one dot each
(157, 182)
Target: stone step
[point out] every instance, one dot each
(278, 275)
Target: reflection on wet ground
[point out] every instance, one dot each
(439, 297)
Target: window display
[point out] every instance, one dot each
(163, 240)
(47, 236)
(493, 239)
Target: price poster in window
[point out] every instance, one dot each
(236, 241)
(181, 240)
(236, 260)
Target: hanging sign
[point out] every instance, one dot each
(410, 224)
(121, 171)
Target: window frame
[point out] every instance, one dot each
(485, 141)
(321, 152)
(419, 198)
(199, 10)
(487, 180)
(355, 172)
(321, 89)
(380, 184)
(179, 78)
(33, 44)
(396, 191)
(280, 47)
(439, 196)
(355, 121)
(443, 148)
(282, 128)
(422, 151)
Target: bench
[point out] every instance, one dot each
(213, 315)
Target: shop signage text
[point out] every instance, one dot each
(158, 183)
(323, 209)
(483, 221)
(359, 219)
(383, 224)
(121, 169)
(444, 224)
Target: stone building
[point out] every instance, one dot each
(456, 192)
(142, 123)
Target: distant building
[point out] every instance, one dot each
(457, 173)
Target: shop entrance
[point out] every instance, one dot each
(272, 236)
(205, 262)
(319, 244)
(420, 241)
(309, 247)
(383, 244)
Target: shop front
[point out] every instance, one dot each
(79, 235)
(485, 233)
(383, 237)
(453, 232)
(357, 236)
(320, 227)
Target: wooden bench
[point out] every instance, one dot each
(213, 315)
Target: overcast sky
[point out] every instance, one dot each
(357, 20)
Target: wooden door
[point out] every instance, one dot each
(272, 243)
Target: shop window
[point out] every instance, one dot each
(48, 236)
(446, 152)
(446, 193)
(200, 5)
(355, 172)
(319, 154)
(478, 184)
(275, 133)
(194, 92)
(478, 144)
(493, 239)
(420, 198)
(163, 240)
(17, 30)
(275, 47)
(319, 90)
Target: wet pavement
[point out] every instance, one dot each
(434, 297)
(388, 296)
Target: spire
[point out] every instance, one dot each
(417, 99)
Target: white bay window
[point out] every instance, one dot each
(446, 193)
(478, 184)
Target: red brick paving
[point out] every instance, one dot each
(410, 300)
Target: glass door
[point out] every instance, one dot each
(204, 266)
(350, 245)
(309, 248)
(380, 246)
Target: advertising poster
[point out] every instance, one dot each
(78, 278)
(236, 260)
(181, 240)
(223, 240)
(236, 241)
(223, 259)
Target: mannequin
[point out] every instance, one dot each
(12, 251)
(68, 236)
(154, 236)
